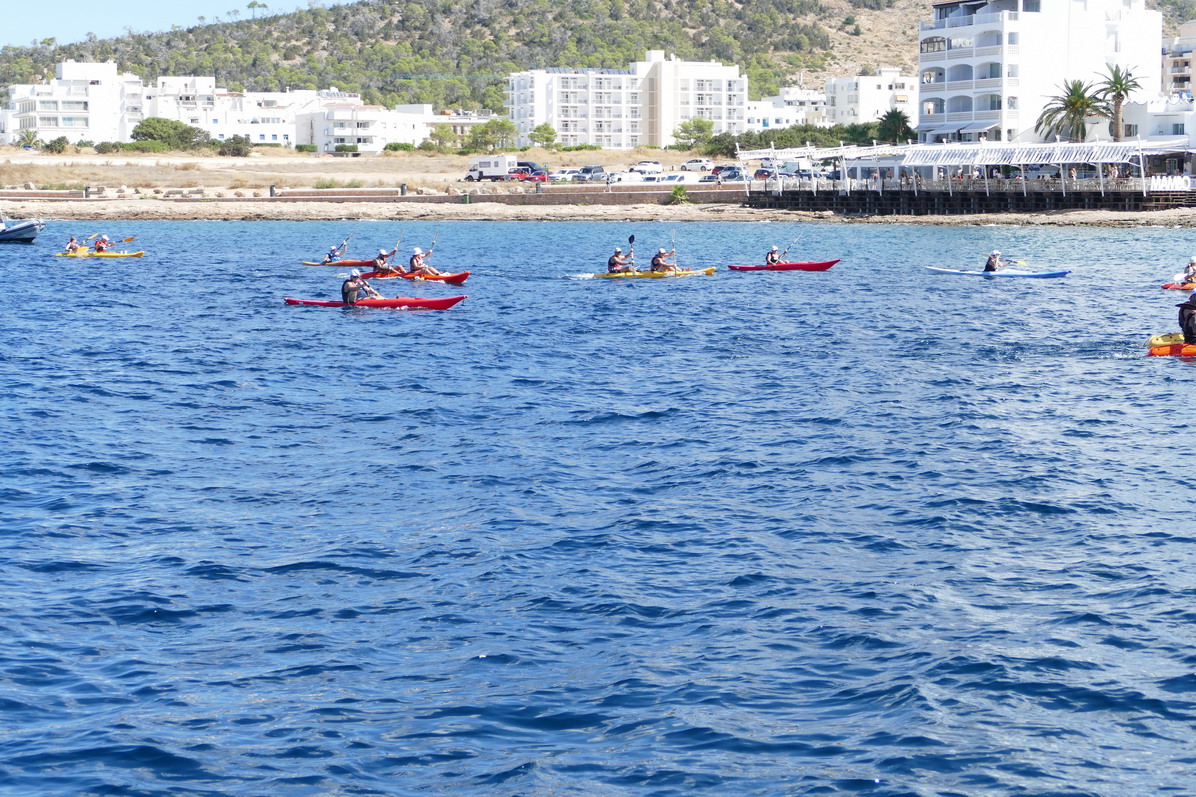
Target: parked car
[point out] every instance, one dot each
(647, 167)
(532, 166)
(697, 165)
(536, 177)
(723, 167)
(709, 178)
(565, 175)
(590, 174)
(765, 174)
(625, 177)
(518, 173)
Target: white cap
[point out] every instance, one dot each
(1192, 259)
(618, 249)
(381, 251)
(996, 251)
(775, 248)
(417, 251)
(333, 248)
(354, 273)
(662, 250)
(103, 237)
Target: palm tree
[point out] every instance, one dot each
(1117, 86)
(1066, 113)
(27, 138)
(894, 126)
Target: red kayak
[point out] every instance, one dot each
(451, 279)
(398, 301)
(1180, 286)
(340, 263)
(818, 265)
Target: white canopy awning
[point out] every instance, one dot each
(977, 127)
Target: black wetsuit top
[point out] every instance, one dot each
(992, 263)
(1187, 321)
(351, 289)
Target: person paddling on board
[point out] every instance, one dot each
(72, 246)
(660, 260)
(382, 262)
(352, 288)
(103, 245)
(773, 257)
(994, 261)
(1187, 319)
(619, 262)
(418, 264)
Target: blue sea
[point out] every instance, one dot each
(872, 530)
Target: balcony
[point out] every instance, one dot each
(971, 20)
(961, 52)
(1007, 50)
(958, 85)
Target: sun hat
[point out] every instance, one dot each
(662, 250)
(381, 251)
(417, 251)
(1192, 259)
(996, 251)
(775, 248)
(618, 249)
(354, 273)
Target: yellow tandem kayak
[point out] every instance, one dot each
(685, 272)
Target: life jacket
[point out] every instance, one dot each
(1187, 322)
(350, 289)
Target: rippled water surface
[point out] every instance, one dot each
(871, 530)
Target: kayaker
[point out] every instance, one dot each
(382, 262)
(1190, 270)
(71, 246)
(660, 260)
(994, 261)
(352, 288)
(773, 257)
(1187, 318)
(619, 262)
(335, 253)
(419, 263)
(103, 245)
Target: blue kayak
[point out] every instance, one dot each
(1001, 273)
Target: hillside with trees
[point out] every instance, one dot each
(458, 55)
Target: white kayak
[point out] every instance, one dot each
(1002, 273)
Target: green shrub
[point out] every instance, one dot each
(305, 147)
(679, 196)
(108, 147)
(58, 145)
(399, 146)
(346, 147)
(236, 147)
(148, 145)
(580, 148)
(325, 183)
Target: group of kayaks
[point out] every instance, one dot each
(398, 302)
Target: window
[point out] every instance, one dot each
(1177, 129)
(1031, 6)
(47, 121)
(934, 44)
(1131, 131)
(47, 105)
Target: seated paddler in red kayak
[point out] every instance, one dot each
(773, 257)
(619, 263)
(382, 262)
(418, 264)
(353, 288)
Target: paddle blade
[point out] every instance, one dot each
(130, 238)
(631, 240)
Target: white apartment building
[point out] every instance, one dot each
(866, 98)
(1177, 61)
(624, 108)
(84, 102)
(264, 117)
(793, 106)
(368, 127)
(987, 68)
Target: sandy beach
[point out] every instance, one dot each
(218, 210)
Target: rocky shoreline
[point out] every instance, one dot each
(217, 210)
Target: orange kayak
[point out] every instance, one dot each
(1174, 350)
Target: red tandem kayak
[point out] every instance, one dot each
(398, 301)
(1180, 286)
(817, 265)
(451, 279)
(339, 263)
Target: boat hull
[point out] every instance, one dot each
(1003, 273)
(341, 263)
(1174, 350)
(407, 302)
(21, 232)
(99, 254)
(694, 272)
(449, 279)
(1180, 286)
(813, 265)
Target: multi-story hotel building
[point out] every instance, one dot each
(1177, 61)
(865, 98)
(84, 102)
(987, 68)
(625, 108)
(793, 106)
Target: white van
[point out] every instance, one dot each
(491, 167)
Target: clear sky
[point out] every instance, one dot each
(71, 20)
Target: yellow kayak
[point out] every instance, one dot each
(99, 254)
(685, 272)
